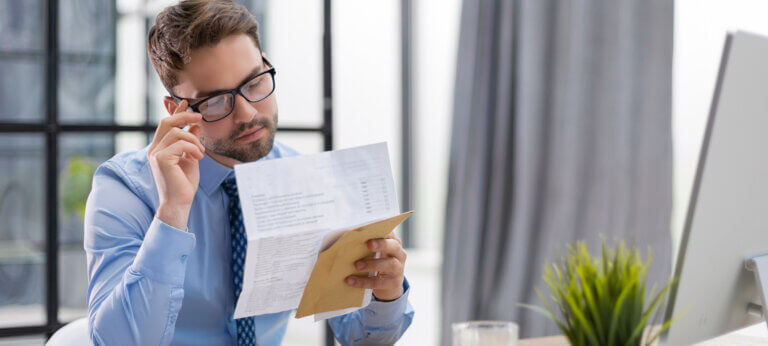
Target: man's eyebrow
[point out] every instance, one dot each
(256, 70)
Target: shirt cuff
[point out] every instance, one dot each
(381, 314)
(163, 253)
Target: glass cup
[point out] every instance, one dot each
(485, 333)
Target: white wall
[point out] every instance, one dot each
(700, 29)
(436, 36)
(292, 35)
(366, 75)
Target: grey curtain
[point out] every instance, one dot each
(561, 132)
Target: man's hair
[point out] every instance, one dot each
(191, 24)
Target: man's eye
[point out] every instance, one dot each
(214, 102)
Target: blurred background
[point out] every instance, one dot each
(513, 127)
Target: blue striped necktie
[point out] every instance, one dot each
(246, 330)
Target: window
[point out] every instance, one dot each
(71, 99)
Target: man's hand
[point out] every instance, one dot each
(388, 284)
(173, 157)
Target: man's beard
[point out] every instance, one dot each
(250, 151)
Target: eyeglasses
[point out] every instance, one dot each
(219, 105)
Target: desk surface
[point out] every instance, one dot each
(753, 335)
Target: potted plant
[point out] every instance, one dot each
(602, 300)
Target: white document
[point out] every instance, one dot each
(289, 205)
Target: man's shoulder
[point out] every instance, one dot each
(131, 168)
(132, 163)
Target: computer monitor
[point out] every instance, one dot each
(727, 220)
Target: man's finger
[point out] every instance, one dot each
(389, 247)
(394, 236)
(181, 107)
(389, 265)
(176, 121)
(373, 282)
(178, 149)
(194, 129)
(181, 112)
(180, 118)
(177, 134)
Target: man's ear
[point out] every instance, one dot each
(263, 55)
(170, 104)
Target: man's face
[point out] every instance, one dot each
(225, 66)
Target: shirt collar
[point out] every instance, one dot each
(212, 173)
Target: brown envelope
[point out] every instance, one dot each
(326, 289)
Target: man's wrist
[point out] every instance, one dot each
(174, 215)
(389, 296)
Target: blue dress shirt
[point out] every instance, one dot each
(150, 283)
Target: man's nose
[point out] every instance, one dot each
(243, 111)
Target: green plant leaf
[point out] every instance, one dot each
(590, 302)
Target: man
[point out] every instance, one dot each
(160, 222)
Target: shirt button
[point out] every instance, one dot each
(183, 257)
